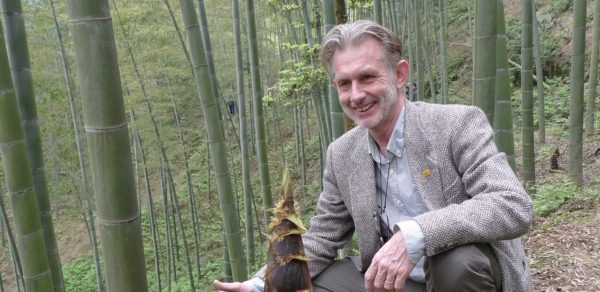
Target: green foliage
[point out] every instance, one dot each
(360, 4)
(556, 102)
(550, 48)
(560, 6)
(80, 275)
(458, 13)
(561, 191)
(300, 78)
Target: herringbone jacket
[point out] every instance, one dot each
(470, 191)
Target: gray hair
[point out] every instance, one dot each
(344, 35)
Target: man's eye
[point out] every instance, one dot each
(368, 78)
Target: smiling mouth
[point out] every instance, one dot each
(364, 108)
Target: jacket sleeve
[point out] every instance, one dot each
(493, 206)
(332, 227)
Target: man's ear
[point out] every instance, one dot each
(401, 70)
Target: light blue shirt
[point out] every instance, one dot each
(398, 197)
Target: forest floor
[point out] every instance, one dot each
(564, 246)
(564, 251)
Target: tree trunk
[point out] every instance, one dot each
(539, 73)
(336, 112)
(19, 181)
(18, 54)
(590, 108)
(503, 124)
(257, 94)
(527, 95)
(216, 140)
(576, 101)
(484, 57)
(89, 214)
(109, 149)
(443, 36)
(247, 186)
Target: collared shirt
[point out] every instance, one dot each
(397, 196)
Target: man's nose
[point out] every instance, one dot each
(356, 93)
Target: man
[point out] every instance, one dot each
(434, 205)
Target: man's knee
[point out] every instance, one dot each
(471, 267)
(342, 275)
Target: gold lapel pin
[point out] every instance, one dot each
(426, 172)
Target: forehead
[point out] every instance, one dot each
(364, 55)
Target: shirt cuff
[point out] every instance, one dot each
(414, 238)
(257, 284)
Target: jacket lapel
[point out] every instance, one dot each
(364, 200)
(424, 171)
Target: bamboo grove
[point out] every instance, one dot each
(160, 152)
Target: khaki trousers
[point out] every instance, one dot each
(471, 267)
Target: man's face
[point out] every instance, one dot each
(367, 89)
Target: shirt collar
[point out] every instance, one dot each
(395, 145)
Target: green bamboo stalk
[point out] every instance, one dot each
(19, 181)
(109, 149)
(88, 215)
(377, 9)
(247, 186)
(16, 260)
(321, 93)
(306, 120)
(172, 213)
(590, 108)
(443, 51)
(190, 185)
(539, 73)
(429, 50)
(257, 94)
(296, 132)
(392, 15)
(152, 216)
(336, 112)
(316, 94)
(503, 124)
(20, 66)
(170, 250)
(306, 22)
(417, 15)
(576, 101)
(179, 218)
(278, 131)
(527, 95)
(302, 150)
(408, 22)
(3, 228)
(216, 140)
(209, 55)
(484, 52)
(179, 35)
(227, 271)
(163, 153)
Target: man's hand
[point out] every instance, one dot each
(232, 287)
(390, 266)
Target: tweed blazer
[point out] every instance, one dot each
(471, 193)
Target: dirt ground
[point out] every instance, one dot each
(564, 251)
